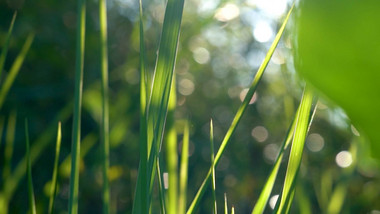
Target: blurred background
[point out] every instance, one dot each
(222, 44)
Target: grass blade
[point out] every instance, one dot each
(105, 109)
(225, 204)
(184, 170)
(172, 154)
(53, 190)
(4, 52)
(233, 210)
(9, 141)
(15, 69)
(160, 188)
(32, 204)
(239, 113)
(215, 208)
(300, 132)
(75, 147)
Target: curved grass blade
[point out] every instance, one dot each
(105, 108)
(9, 141)
(4, 51)
(296, 151)
(75, 147)
(184, 169)
(15, 69)
(215, 208)
(32, 204)
(53, 190)
(239, 113)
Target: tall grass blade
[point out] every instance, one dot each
(184, 170)
(105, 108)
(15, 69)
(239, 113)
(225, 204)
(141, 191)
(4, 51)
(32, 204)
(172, 154)
(53, 189)
(75, 147)
(300, 132)
(9, 141)
(161, 188)
(233, 210)
(215, 208)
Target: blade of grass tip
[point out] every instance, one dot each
(239, 113)
(12, 181)
(172, 154)
(233, 210)
(53, 189)
(105, 109)
(162, 80)
(9, 141)
(225, 204)
(15, 69)
(32, 204)
(215, 208)
(75, 147)
(296, 150)
(4, 52)
(184, 170)
(141, 191)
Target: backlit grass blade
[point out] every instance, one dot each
(172, 154)
(162, 80)
(53, 189)
(32, 204)
(161, 189)
(233, 210)
(184, 170)
(141, 191)
(225, 204)
(239, 113)
(9, 141)
(4, 51)
(105, 108)
(296, 151)
(215, 207)
(75, 147)
(15, 69)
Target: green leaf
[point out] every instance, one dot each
(239, 113)
(339, 55)
(184, 170)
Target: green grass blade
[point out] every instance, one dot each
(9, 141)
(15, 69)
(161, 188)
(4, 51)
(141, 191)
(184, 170)
(162, 80)
(233, 210)
(172, 154)
(32, 204)
(225, 204)
(296, 150)
(53, 189)
(105, 108)
(75, 147)
(239, 113)
(215, 208)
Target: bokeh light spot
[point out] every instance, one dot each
(186, 87)
(343, 159)
(260, 133)
(263, 32)
(315, 142)
(273, 201)
(228, 12)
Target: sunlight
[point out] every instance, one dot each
(227, 12)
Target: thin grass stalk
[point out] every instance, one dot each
(15, 69)
(225, 204)
(239, 113)
(9, 141)
(233, 210)
(4, 51)
(215, 207)
(172, 154)
(75, 147)
(141, 191)
(105, 107)
(161, 191)
(296, 150)
(184, 170)
(53, 189)
(2, 121)
(32, 204)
